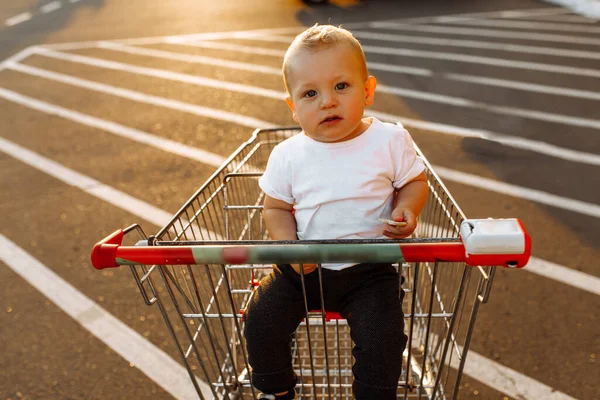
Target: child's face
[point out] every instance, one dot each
(328, 93)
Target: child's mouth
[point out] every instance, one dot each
(331, 119)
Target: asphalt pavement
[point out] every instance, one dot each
(501, 96)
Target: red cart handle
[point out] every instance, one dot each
(484, 243)
(104, 253)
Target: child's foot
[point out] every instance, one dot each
(284, 396)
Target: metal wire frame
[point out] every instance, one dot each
(202, 305)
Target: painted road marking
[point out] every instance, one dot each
(23, 54)
(477, 44)
(568, 276)
(178, 38)
(17, 19)
(53, 6)
(139, 136)
(562, 18)
(236, 47)
(452, 30)
(280, 95)
(542, 26)
(144, 98)
(545, 89)
(492, 14)
(149, 359)
(190, 58)
(104, 192)
(492, 61)
(508, 140)
(45, 9)
(525, 86)
(496, 109)
(164, 74)
(507, 380)
(241, 65)
(89, 185)
(513, 141)
(481, 80)
(538, 196)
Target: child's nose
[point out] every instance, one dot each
(328, 100)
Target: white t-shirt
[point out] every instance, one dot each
(339, 190)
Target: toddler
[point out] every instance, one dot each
(341, 174)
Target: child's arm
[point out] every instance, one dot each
(410, 200)
(281, 225)
(279, 219)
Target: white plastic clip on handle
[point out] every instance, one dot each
(493, 236)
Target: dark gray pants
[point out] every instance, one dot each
(367, 295)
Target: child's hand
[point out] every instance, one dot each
(401, 232)
(308, 268)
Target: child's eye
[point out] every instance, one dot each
(310, 93)
(341, 86)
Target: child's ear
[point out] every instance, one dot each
(290, 104)
(370, 86)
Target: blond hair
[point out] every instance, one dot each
(318, 37)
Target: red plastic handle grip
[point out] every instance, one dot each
(105, 251)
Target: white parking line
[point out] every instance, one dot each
(565, 203)
(149, 359)
(21, 55)
(477, 44)
(525, 86)
(487, 14)
(543, 26)
(280, 95)
(507, 380)
(452, 30)
(53, 6)
(178, 38)
(568, 276)
(496, 109)
(159, 143)
(560, 18)
(17, 19)
(513, 141)
(89, 185)
(436, 55)
(164, 74)
(236, 47)
(481, 80)
(144, 98)
(491, 61)
(190, 58)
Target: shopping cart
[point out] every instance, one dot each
(201, 268)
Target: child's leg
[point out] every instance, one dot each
(374, 313)
(271, 316)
